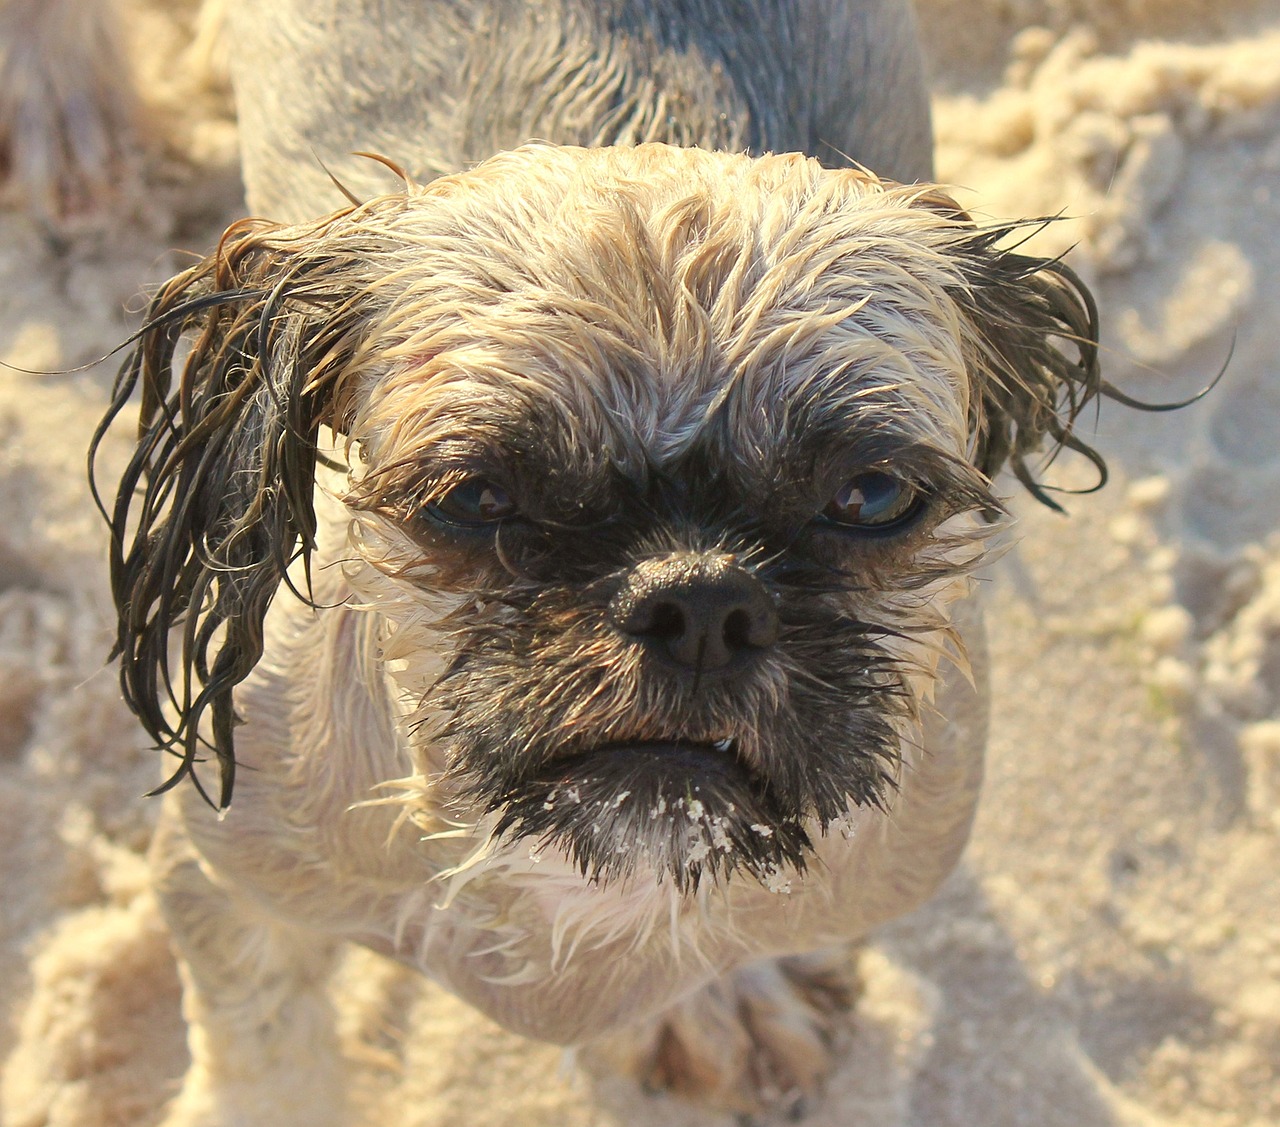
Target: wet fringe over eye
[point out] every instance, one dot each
(239, 362)
(1027, 315)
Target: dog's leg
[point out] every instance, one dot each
(261, 1031)
(760, 1040)
(68, 111)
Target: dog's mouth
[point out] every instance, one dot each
(675, 752)
(680, 808)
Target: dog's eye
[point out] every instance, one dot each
(473, 502)
(874, 500)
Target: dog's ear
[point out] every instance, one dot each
(1032, 355)
(1031, 347)
(240, 360)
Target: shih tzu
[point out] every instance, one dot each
(565, 564)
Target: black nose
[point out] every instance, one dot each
(698, 610)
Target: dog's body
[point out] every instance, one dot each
(440, 86)
(640, 665)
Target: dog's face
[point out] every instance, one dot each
(672, 461)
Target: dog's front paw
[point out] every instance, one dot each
(760, 1041)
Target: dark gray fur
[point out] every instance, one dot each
(439, 85)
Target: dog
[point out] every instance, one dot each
(553, 569)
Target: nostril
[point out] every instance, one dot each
(737, 630)
(666, 620)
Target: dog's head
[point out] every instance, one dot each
(676, 459)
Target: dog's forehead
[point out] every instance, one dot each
(650, 292)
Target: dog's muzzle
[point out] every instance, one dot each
(695, 722)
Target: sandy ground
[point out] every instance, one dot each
(1108, 954)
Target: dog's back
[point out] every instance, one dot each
(436, 85)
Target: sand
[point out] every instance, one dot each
(1107, 955)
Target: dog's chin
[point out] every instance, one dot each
(674, 810)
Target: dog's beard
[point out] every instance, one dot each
(580, 743)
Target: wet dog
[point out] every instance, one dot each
(564, 563)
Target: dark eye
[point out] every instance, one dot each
(874, 500)
(473, 502)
